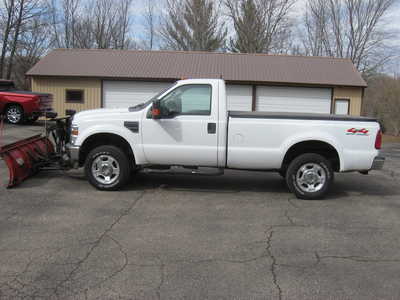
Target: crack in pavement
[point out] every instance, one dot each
(15, 280)
(289, 218)
(96, 243)
(273, 264)
(162, 279)
(270, 232)
(360, 259)
(211, 260)
(290, 201)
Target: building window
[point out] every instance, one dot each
(74, 96)
(342, 107)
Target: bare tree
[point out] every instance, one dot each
(91, 24)
(16, 15)
(70, 8)
(193, 25)
(17, 27)
(123, 24)
(382, 100)
(33, 43)
(260, 25)
(7, 15)
(150, 23)
(64, 19)
(110, 23)
(348, 28)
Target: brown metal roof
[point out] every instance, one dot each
(171, 65)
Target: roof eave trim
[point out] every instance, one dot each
(249, 82)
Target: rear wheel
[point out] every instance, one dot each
(107, 168)
(14, 114)
(309, 176)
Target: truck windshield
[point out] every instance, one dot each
(144, 104)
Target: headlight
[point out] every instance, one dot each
(74, 130)
(74, 133)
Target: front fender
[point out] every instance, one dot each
(313, 136)
(132, 138)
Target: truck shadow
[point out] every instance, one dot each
(345, 185)
(228, 183)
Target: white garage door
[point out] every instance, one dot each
(293, 99)
(129, 93)
(239, 97)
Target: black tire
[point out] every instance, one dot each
(305, 161)
(123, 164)
(282, 173)
(14, 114)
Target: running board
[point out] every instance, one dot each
(177, 170)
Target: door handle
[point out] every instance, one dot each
(212, 128)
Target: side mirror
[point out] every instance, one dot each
(155, 110)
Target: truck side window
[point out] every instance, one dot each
(192, 99)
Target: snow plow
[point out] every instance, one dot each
(47, 151)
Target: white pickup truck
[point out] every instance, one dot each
(188, 127)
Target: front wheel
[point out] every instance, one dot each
(309, 176)
(107, 168)
(14, 114)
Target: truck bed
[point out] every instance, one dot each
(298, 116)
(259, 140)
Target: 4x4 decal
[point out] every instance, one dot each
(355, 131)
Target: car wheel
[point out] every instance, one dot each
(14, 114)
(107, 168)
(309, 176)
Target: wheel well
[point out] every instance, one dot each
(102, 139)
(319, 147)
(9, 104)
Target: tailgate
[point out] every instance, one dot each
(46, 102)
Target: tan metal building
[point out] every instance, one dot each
(86, 79)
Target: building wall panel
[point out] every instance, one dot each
(58, 87)
(352, 94)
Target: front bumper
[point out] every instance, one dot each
(73, 152)
(378, 163)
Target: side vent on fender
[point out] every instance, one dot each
(132, 126)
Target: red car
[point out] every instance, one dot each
(22, 106)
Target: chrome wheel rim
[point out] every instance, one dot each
(105, 169)
(311, 177)
(14, 115)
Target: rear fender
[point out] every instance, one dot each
(312, 136)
